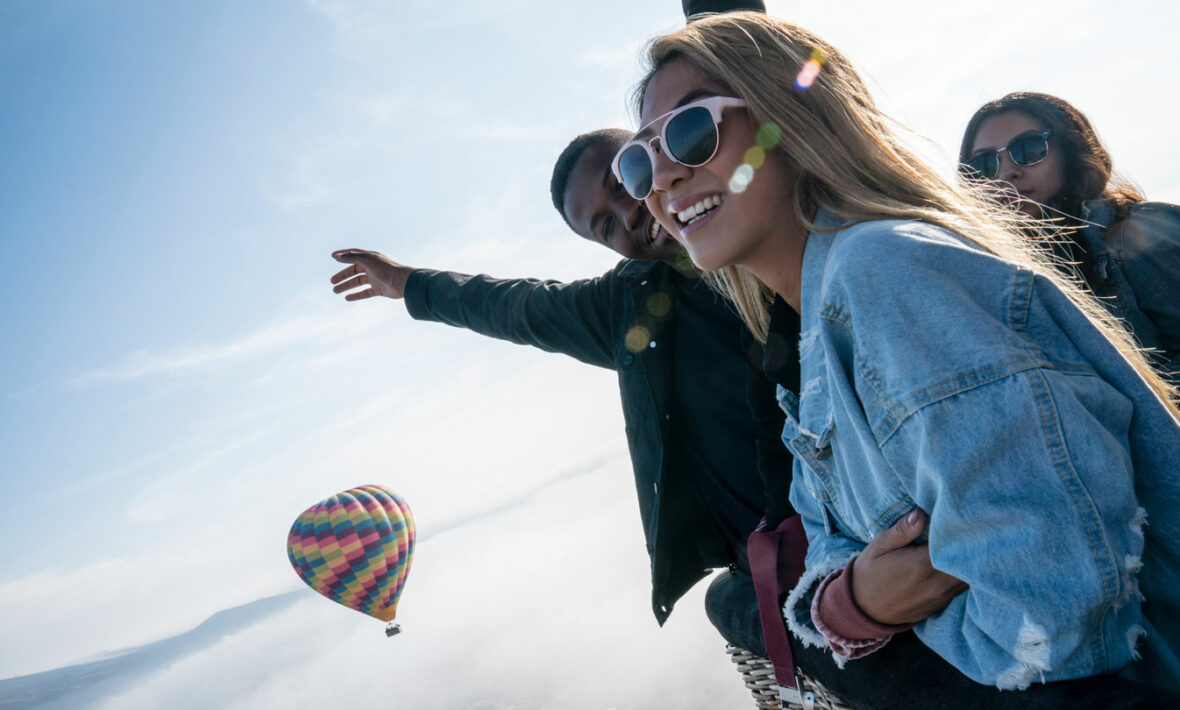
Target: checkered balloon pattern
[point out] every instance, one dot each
(355, 548)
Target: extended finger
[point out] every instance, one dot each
(355, 282)
(367, 293)
(346, 272)
(349, 255)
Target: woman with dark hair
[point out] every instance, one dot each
(1042, 156)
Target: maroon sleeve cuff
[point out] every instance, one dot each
(838, 610)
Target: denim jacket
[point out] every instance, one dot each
(935, 375)
(1136, 265)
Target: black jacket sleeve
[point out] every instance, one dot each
(575, 318)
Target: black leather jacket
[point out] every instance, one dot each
(621, 320)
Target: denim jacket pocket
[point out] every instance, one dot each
(814, 453)
(816, 433)
(855, 507)
(813, 448)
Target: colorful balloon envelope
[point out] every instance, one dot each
(355, 548)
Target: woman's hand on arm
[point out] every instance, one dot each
(893, 580)
(383, 276)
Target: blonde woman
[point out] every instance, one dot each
(945, 366)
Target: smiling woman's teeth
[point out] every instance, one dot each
(691, 214)
(653, 231)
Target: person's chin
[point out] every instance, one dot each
(705, 259)
(669, 251)
(707, 247)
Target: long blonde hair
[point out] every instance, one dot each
(852, 160)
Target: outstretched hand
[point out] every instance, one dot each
(893, 579)
(382, 275)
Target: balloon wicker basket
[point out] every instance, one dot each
(758, 675)
(393, 629)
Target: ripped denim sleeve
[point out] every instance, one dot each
(1040, 518)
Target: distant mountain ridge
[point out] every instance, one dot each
(83, 684)
(71, 686)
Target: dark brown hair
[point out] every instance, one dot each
(1086, 163)
(559, 181)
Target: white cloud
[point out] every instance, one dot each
(210, 519)
(60, 616)
(166, 495)
(288, 335)
(546, 605)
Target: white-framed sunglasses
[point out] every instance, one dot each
(689, 136)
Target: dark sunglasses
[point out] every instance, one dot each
(1025, 149)
(689, 136)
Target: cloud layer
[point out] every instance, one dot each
(544, 605)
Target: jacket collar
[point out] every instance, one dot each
(1099, 216)
(1100, 212)
(636, 270)
(815, 409)
(815, 259)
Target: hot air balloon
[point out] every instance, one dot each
(355, 548)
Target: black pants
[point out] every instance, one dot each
(906, 674)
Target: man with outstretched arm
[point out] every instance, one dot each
(677, 348)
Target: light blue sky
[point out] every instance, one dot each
(177, 382)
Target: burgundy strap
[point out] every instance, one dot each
(776, 564)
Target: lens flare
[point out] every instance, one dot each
(810, 70)
(765, 139)
(637, 338)
(768, 136)
(741, 178)
(807, 76)
(659, 304)
(754, 157)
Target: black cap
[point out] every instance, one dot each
(692, 7)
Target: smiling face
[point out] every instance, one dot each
(1041, 183)
(600, 210)
(718, 225)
